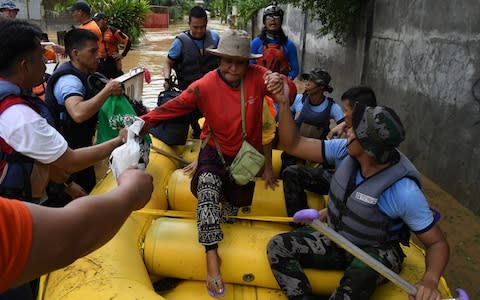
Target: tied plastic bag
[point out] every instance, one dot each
(133, 154)
(110, 117)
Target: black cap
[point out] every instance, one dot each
(320, 77)
(99, 16)
(79, 6)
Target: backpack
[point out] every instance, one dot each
(174, 131)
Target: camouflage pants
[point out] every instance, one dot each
(212, 210)
(289, 253)
(297, 179)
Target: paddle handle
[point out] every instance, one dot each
(364, 257)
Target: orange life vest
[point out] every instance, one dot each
(274, 59)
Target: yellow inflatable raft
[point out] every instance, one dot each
(152, 245)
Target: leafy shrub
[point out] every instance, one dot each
(128, 15)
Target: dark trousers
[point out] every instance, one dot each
(56, 195)
(22, 292)
(196, 115)
(108, 67)
(287, 161)
(297, 179)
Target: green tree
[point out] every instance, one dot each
(337, 17)
(222, 7)
(248, 8)
(128, 15)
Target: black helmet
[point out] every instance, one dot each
(273, 10)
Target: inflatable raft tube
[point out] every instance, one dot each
(115, 271)
(266, 202)
(172, 250)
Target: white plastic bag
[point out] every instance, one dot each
(133, 154)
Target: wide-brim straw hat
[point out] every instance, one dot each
(234, 44)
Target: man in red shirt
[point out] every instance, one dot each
(217, 95)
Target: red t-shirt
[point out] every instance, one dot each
(220, 105)
(15, 240)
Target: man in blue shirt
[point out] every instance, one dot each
(375, 201)
(76, 103)
(279, 53)
(187, 56)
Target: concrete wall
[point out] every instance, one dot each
(423, 59)
(29, 9)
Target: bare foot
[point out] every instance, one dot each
(215, 285)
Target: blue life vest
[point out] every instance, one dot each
(353, 210)
(318, 119)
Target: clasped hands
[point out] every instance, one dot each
(276, 86)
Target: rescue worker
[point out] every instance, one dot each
(375, 201)
(188, 56)
(74, 101)
(49, 56)
(313, 110)
(81, 14)
(279, 53)
(110, 63)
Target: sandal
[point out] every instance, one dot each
(216, 282)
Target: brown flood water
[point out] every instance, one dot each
(461, 226)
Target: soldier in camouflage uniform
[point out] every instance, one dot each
(375, 201)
